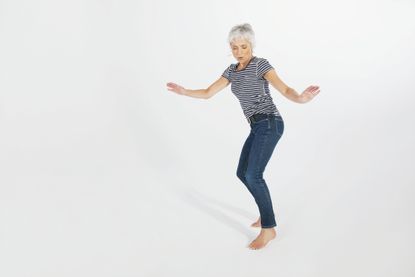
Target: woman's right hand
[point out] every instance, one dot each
(176, 88)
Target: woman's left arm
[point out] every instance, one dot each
(308, 94)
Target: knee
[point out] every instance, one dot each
(252, 177)
(241, 175)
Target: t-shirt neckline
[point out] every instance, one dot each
(236, 66)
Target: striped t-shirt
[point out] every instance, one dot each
(251, 88)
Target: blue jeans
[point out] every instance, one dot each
(256, 153)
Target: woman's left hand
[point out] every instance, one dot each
(309, 93)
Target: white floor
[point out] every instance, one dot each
(129, 220)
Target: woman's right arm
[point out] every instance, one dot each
(207, 93)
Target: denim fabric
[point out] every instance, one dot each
(256, 153)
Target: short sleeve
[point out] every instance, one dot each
(227, 74)
(263, 67)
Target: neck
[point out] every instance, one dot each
(244, 64)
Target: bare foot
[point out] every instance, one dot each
(263, 238)
(257, 223)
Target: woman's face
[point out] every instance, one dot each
(241, 50)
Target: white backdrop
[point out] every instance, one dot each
(104, 172)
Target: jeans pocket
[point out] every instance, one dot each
(262, 126)
(262, 121)
(267, 123)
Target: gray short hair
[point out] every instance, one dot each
(242, 31)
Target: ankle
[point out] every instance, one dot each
(272, 229)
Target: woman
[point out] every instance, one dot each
(250, 77)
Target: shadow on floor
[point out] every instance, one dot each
(213, 208)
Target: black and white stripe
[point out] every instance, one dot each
(251, 88)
